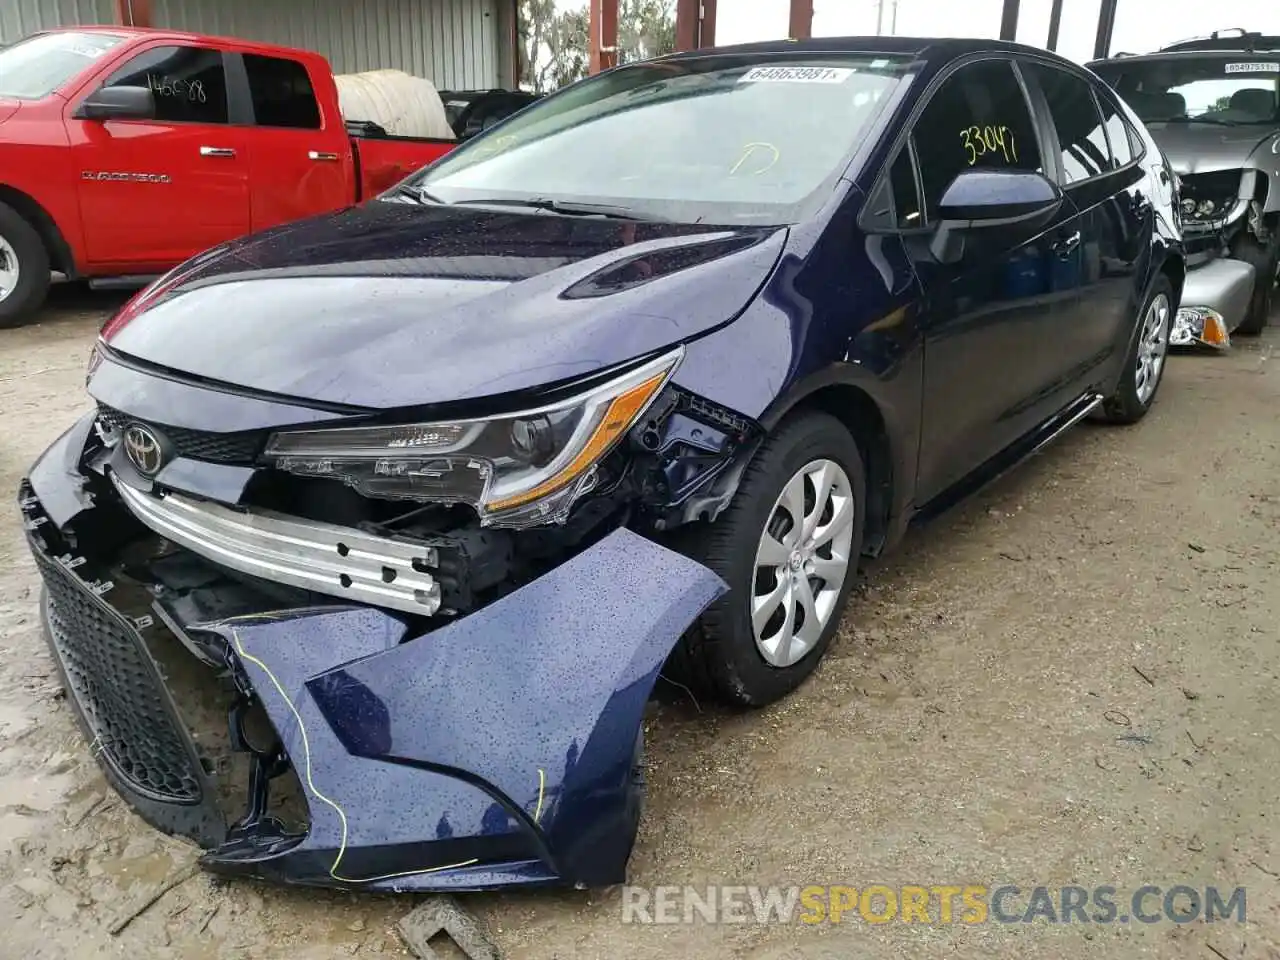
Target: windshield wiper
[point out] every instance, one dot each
(407, 191)
(566, 207)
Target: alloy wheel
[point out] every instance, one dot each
(802, 561)
(8, 269)
(1152, 347)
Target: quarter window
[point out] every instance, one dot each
(1082, 138)
(189, 83)
(1117, 133)
(281, 93)
(978, 118)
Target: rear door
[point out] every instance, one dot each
(155, 192)
(300, 157)
(1099, 247)
(990, 319)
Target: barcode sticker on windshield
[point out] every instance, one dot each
(1262, 66)
(797, 75)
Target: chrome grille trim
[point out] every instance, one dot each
(338, 561)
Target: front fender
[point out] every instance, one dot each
(496, 750)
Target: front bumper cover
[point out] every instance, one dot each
(496, 750)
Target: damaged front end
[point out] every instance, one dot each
(324, 685)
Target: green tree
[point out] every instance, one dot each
(554, 43)
(646, 28)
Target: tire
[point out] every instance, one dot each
(21, 248)
(1263, 260)
(720, 657)
(1131, 400)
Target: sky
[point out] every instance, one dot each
(1141, 25)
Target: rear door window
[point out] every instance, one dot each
(1082, 133)
(978, 118)
(282, 93)
(189, 83)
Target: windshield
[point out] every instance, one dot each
(1233, 88)
(723, 139)
(35, 67)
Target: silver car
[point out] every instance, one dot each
(1213, 106)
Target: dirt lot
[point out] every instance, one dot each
(1071, 679)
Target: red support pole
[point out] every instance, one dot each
(687, 26)
(695, 24)
(603, 25)
(133, 13)
(801, 27)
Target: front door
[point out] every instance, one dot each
(155, 192)
(991, 319)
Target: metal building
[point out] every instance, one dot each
(456, 44)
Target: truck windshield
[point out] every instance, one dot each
(35, 67)
(728, 138)
(1227, 89)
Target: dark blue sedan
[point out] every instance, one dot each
(428, 493)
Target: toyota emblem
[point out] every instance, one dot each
(143, 449)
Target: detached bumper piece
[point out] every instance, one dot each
(116, 692)
(500, 749)
(1215, 299)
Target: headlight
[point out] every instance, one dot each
(517, 469)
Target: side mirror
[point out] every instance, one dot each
(983, 199)
(118, 103)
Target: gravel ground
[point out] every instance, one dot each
(1069, 680)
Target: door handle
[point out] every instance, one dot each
(317, 155)
(217, 152)
(1064, 246)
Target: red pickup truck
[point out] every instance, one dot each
(123, 152)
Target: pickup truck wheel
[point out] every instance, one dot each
(1144, 364)
(1263, 260)
(24, 268)
(788, 547)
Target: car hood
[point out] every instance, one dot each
(400, 304)
(1204, 148)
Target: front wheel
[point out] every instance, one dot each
(788, 547)
(1264, 260)
(24, 268)
(1144, 365)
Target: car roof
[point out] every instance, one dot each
(922, 47)
(1173, 55)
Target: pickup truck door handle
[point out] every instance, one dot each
(1064, 246)
(217, 152)
(317, 155)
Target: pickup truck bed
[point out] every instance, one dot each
(124, 152)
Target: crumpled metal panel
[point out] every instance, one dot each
(519, 719)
